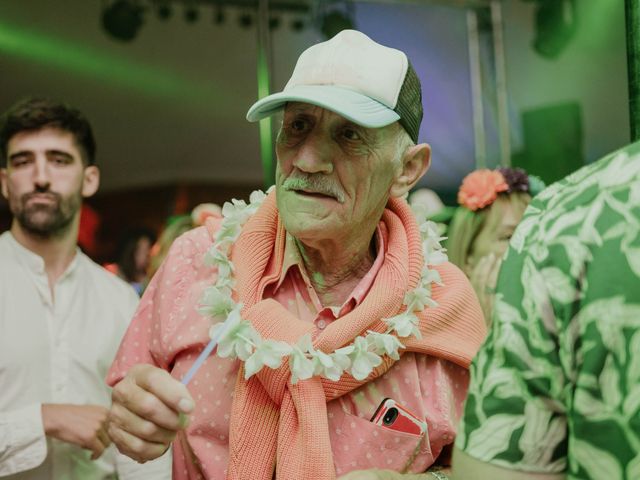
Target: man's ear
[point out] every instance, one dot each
(415, 163)
(3, 182)
(91, 181)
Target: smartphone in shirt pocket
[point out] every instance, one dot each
(362, 443)
(390, 414)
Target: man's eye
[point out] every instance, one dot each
(60, 160)
(350, 134)
(19, 162)
(298, 125)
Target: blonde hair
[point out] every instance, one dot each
(466, 225)
(173, 230)
(175, 227)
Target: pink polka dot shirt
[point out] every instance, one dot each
(168, 332)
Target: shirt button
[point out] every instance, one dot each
(321, 324)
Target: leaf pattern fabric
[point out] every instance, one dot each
(556, 386)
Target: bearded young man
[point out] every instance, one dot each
(322, 286)
(61, 315)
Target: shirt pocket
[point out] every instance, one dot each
(359, 444)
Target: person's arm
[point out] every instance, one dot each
(81, 425)
(23, 444)
(146, 410)
(466, 467)
(23, 433)
(129, 469)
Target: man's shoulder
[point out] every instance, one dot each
(617, 171)
(105, 280)
(561, 210)
(10, 265)
(5, 239)
(186, 256)
(194, 243)
(200, 237)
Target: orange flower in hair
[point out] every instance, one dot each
(481, 188)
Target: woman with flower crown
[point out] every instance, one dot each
(318, 300)
(492, 203)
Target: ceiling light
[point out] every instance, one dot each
(191, 14)
(122, 19)
(297, 25)
(555, 25)
(245, 20)
(274, 22)
(163, 10)
(218, 16)
(334, 22)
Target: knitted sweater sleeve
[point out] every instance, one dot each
(455, 329)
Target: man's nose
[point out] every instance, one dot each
(315, 155)
(41, 177)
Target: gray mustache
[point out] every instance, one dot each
(314, 184)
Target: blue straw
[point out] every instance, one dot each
(204, 354)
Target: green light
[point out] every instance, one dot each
(105, 67)
(266, 132)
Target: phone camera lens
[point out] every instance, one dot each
(390, 416)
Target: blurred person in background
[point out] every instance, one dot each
(133, 255)
(555, 389)
(428, 199)
(492, 203)
(176, 226)
(426, 204)
(61, 315)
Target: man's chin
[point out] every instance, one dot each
(304, 225)
(43, 223)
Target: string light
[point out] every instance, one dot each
(122, 19)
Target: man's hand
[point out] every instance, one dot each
(81, 425)
(147, 412)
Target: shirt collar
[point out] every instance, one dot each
(34, 262)
(293, 259)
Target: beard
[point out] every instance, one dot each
(46, 220)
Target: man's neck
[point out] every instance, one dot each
(336, 267)
(56, 251)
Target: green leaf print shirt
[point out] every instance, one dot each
(556, 386)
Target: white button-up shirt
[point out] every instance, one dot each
(57, 349)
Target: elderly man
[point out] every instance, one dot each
(61, 315)
(332, 305)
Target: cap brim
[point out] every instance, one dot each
(351, 105)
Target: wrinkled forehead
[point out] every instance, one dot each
(291, 109)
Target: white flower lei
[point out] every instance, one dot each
(236, 337)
